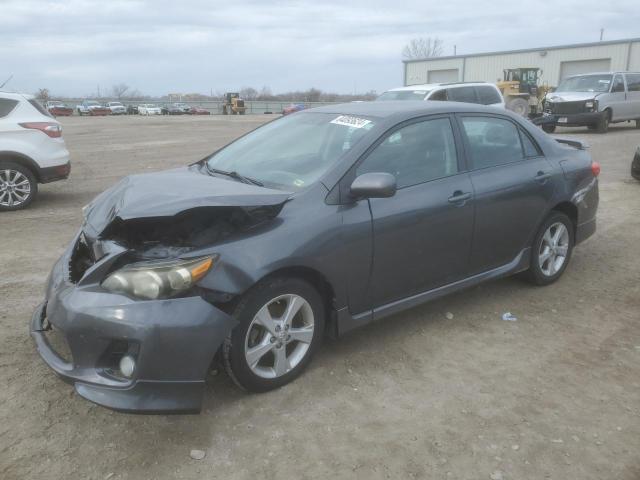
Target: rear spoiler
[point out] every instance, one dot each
(573, 143)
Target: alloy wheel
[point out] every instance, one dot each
(15, 188)
(279, 336)
(554, 248)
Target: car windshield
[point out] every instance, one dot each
(585, 83)
(404, 95)
(91, 102)
(292, 152)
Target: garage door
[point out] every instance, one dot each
(584, 66)
(442, 76)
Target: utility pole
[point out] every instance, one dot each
(454, 50)
(601, 33)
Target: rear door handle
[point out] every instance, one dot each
(459, 197)
(542, 176)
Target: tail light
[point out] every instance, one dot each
(53, 130)
(595, 168)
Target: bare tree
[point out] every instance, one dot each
(120, 90)
(422, 47)
(248, 93)
(43, 94)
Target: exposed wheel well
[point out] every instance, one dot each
(320, 283)
(570, 210)
(21, 160)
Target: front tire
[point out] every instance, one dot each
(551, 250)
(519, 106)
(281, 324)
(603, 124)
(18, 186)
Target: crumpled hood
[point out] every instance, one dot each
(571, 96)
(170, 192)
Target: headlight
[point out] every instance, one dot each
(591, 104)
(152, 280)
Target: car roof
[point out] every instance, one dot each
(16, 96)
(431, 86)
(599, 73)
(403, 108)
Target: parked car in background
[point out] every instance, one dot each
(635, 165)
(593, 100)
(293, 108)
(32, 150)
(184, 107)
(132, 109)
(467, 92)
(315, 223)
(149, 109)
(92, 107)
(195, 110)
(173, 109)
(58, 108)
(117, 108)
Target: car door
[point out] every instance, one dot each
(633, 95)
(513, 186)
(615, 99)
(421, 235)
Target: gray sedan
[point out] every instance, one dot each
(311, 225)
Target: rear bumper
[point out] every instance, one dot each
(52, 174)
(81, 332)
(572, 120)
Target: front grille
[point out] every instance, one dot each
(81, 259)
(565, 108)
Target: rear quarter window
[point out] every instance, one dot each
(488, 95)
(36, 104)
(492, 141)
(6, 106)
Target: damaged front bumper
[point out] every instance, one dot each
(82, 332)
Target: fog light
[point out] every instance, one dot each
(127, 366)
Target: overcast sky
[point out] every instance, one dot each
(159, 46)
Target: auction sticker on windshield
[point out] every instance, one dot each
(349, 121)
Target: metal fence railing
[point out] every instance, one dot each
(214, 106)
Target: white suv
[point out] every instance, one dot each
(32, 150)
(468, 92)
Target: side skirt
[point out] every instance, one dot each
(348, 322)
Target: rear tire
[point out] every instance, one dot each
(18, 186)
(551, 249)
(265, 350)
(519, 106)
(549, 128)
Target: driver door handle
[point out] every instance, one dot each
(459, 197)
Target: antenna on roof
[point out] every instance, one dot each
(601, 33)
(7, 80)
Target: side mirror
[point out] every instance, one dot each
(374, 185)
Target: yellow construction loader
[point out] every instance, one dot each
(233, 104)
(522, 91)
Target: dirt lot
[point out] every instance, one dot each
(555, 394)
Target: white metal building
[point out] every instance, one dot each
(556, 63)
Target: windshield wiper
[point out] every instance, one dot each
(235, 175)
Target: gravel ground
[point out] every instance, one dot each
(447, 390)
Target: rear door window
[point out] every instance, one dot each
(492, 141)
(6, 106)
(463, 94)
(488, 95)
(633, 82)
